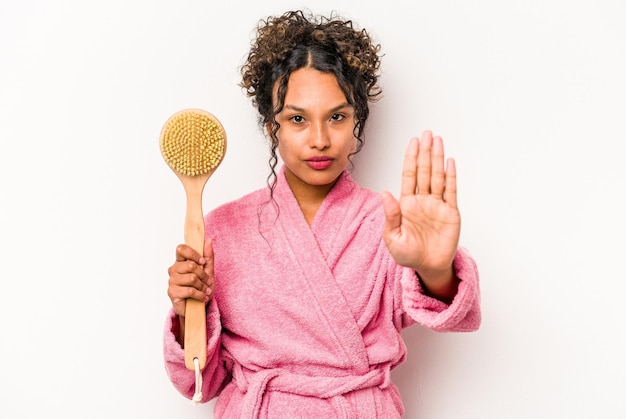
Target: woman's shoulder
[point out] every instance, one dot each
(237, 210)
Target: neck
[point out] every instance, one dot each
(309, 197)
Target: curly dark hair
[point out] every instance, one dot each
(294, 40)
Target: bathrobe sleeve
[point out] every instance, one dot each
(462, 315)
(214, 376)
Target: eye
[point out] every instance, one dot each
(337, 117)
(297, 119)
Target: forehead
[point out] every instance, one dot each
(310, 85)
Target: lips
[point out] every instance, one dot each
(319, 162)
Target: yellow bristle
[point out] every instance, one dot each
(193, 142)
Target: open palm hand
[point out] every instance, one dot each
(422, 228)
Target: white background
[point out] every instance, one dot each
(528, 95)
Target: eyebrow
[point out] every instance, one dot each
(335, 109)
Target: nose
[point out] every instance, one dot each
(319, 136)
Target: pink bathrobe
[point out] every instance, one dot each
(306, 320)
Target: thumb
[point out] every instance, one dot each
(393, 215)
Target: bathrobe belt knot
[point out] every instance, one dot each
(256, 383)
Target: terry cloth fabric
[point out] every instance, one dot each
(306, 320)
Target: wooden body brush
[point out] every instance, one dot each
(193, 144)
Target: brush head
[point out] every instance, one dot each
(193, 142)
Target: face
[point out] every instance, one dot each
(316, 133)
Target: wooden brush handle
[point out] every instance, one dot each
(193, 143)
(195, 311)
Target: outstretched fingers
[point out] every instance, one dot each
(409, 168)
(438, 176)
(424, 164)
(449, 194)
(425, 170)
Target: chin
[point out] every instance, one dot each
(325, 180)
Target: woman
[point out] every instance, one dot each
(310, 281)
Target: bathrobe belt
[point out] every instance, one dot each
(255, 383)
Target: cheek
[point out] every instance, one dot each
(351, 145)
(283, 150)
(280, 150)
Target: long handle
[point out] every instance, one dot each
(195, 311)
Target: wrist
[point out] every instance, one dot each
(440, 284)
(435, 275)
